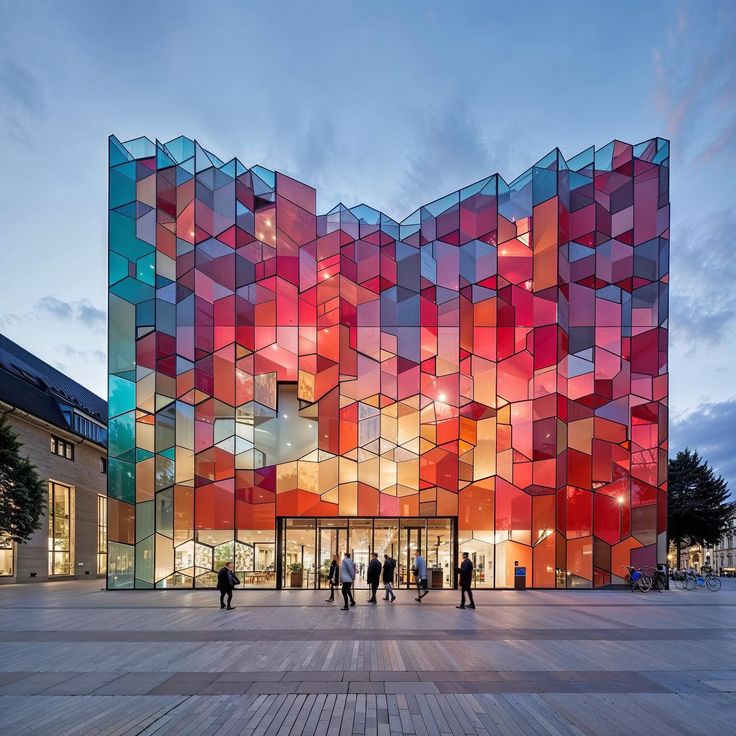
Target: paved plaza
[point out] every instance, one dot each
(78, 660)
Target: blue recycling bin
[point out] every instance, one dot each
(519, 578)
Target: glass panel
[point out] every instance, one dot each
(439, 553)
(288, 435)
(299, 552)
(386, 538)
(479, 546)
(361, 542)
(333, 541)
(120, 565)
(413, 535)
(255, 558)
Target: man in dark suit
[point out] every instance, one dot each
(389, 565)
(333, 577)
(226, 582)
(374, 576)
(465, 572)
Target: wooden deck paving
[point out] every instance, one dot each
(75, 660)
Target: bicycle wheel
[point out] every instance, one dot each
(645, 583)
(659, 583)
(690, 583)
(713, 584)
(680, 583)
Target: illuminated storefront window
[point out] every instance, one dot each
(6, 555)
(61, 529)
(101, 535)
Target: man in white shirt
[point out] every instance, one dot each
(347, 576)
(420, 575)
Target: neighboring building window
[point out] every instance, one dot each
(103, 465)
(62, 448)
(61, 532)
(88, 428)
(6, 555)
(101, 535)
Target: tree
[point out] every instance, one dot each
(698, 508)
(22, 492)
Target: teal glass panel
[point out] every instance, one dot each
(117, 152)
(121, 335)
(180, 148)
(163, 157)
(117, 267)
(144, 560)
(132, 290)
(141, 147)
(121, 480)
(122, 189)
(120, 561)
(144, 519)
(145, 313)
(146, 269)
(121, 436)
(121, 393)
(123, 238)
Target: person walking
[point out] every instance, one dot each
(333, 577)
(347, 577)
(374, 576)
(420, 574)
(389, 565)
(465, 573)
(226, 582)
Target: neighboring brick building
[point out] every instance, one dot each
(63, 428)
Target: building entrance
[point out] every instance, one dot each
(307, 546)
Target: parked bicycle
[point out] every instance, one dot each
(638, 579)
(679, 578)
(694, 581)
(658, 577)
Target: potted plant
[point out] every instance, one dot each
(296, 569)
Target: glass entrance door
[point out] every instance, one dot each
(413, 536)
(308, 545)
(333, 541)
(361, 546)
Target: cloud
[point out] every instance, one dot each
(55, 307)
(709, 429)
(703, 300)
(82, 312)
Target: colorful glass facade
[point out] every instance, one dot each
(498, 359)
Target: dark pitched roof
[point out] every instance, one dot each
(32, 385)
